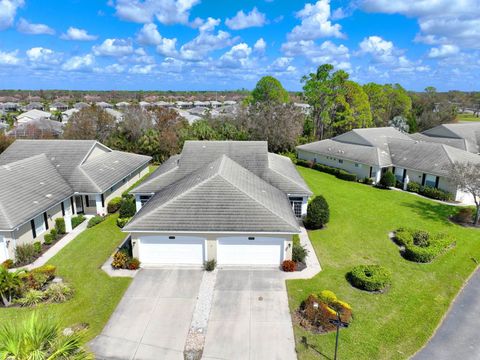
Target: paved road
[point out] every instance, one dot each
(459, 335)
(250, 318)
(152, 320)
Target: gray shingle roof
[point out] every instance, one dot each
(470, 132)
(29, 187)
(278, 170)
(457, 143)
(221, 196)
(68, 157)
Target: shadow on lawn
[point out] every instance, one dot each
(305, 343)
(431, 211)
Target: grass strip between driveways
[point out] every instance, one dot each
(96, 294)
(396, 324)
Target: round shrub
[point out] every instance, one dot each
(413, 187)
(114, 205)
(289, 266)
(387, 180)
(426, 251)
(60, 225)
(369, 277)
(127, 207)
(318, 213)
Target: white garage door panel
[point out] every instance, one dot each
(241, 251)
(3, 249)
(158, 250)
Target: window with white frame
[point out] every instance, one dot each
(39, 223)
(297, 206)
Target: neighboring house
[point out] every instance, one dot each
(81, 105)
(115, 113)
(58, 106)
(201, 103)
(32, 115)
(144, 104)
(37, 129)
(10, 106)
(164, 104)
(46, 179)
(184, 104)
(231, 201)
(368, 153)
(34, 106)
(464, 136)
(122, 105)
(104, 105)
(215, 104)
(66, 115)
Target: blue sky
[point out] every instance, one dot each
(224, 45)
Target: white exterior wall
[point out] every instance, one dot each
(361, 170)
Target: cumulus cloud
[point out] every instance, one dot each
(41, 56)
(260, 46)
(149, 35)
(165, 11)
(141, 69)
(242, 20)
(327, 52)
(236, 57)
(443, 51)
(381, 50)
(113, 47)
(206, 41)
(25, 27)
(315, 23)
(167, 47)
(9, 58)
(440, 21)
(282, 64)
(77, 34)
(79, 63)
(8, 10)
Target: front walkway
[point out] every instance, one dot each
(42, 260)
(458, 336)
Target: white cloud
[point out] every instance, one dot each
(165, 11)
(149, 35)
(113, 47)
(443, 51)
(242, 21)
(9, 58)
(260, 46)
(78, 63)
(440, 21)
(381, 50)
(77, 34)
(34, 29)
(167, 47)
(141, 69)
(327, 52)
(111, 69)
(236, 57)
(206, 41)
(315, 23)
(42, 56)
(8, 10)
(282, 64)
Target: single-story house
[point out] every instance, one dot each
(122, 105)
(46, 179)
(37, 129)
(35, 105)
(368, 153)
(66, 115)
(104, 105)
(10, 106)
(81, 105)
(32, 115)
(231, 201)
(58, 106)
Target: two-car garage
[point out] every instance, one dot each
(229, 250)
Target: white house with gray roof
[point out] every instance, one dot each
(231, 201)
(46, 179)
(368, 153)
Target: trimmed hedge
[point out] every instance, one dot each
(430, 192)
(339, 173)
(114, 205)
(421, 246)
(370, 277)
(77, 220)
(97, 219)
(60, 225)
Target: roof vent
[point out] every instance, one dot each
(48, 195)
(204, 146)
(42, 183)
(35, 201)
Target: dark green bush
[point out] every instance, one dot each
(77, 220)
(299, 253)
(304, 163)
(435, 193)
(413, 187)
(318, 213)
(387, 180)
(210, 265)
(367, 181)
(343, 175)
(339, 173)
(421, 246)
(48, 239)
(97, 219)
(114, 205)
(127, 207)
(370, 277)
(122, 221)
(25, 254)
(60, 225)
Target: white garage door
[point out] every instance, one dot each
(158, 250)
(256, 251)
(3, 249)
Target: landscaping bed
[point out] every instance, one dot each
(398, 322)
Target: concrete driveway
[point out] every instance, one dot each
(153, 318)
(249, 318)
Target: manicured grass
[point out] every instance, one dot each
(467, 117)
(151, 169)
(96, 294)
(396, 324)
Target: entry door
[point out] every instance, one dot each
(3, 249)
(250, 251)
(79, 204)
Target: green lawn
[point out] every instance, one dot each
(467, 117)
(396, 324)
(96, 294)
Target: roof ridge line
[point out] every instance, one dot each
(89, 178)
(152, 179)
(289, 179)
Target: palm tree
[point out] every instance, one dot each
(39, 339)
(9, 284)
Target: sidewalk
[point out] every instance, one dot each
(42, 260)
(313, 265)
